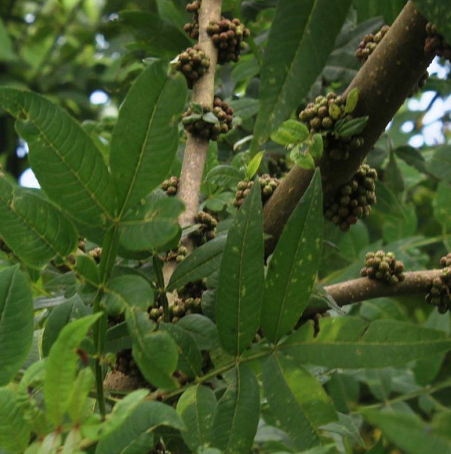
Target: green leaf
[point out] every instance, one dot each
(224, 175)
(145, 137)
(442, 208)
(151, 224)
(254, 164)
(211, 118)
(61, 315)
(241, 279)
(86, 269)
(301, 159)
(196, 407)
(350, 343)
(79, 394)
(34, 229)
(14, 427)
(351, 100)
(160, 37)
(67, 164)
(126, 291)
(346, 427)
(437, 12)
(412, 157)
(297, 400)
(408, 432)
(190, 359)
(202, 329)
(236, 418)
(393, 176)
(290, 131)
(292, 269)
(440, 163)
(315, 148)
(6, 48)
(348, 128)
(61, 367)
(16, 322)
(121, 412)
(144, 420)
(155, 352)
(200, 264)
(293, 59)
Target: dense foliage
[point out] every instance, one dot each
(126, 330)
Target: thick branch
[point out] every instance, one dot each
(356, 290)
(384, 82)
(196, 148)
(203, 93)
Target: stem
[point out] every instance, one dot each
(109, 251)
(157, 266)
(418, 393)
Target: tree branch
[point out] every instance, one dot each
(203, 93)
(196, 147)
(362, 289)
(384, 82)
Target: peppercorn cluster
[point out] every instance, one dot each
(170, 186)
(178, 254)
(193, 63)
(206, 230)
(178, 309)
(383, 266)
(354, 199)
(209, 128)
(440, 292)
(321, 116)
(268, 185)
(369, 43)
(436, 43)
(228, 37)
(193, 28)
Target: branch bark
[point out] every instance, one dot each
(203, 93)
(384, 82)
(196, 148)
(362, 289)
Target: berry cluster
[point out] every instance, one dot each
(228, 37)
(384, 267)
(206, 230)
(268, 185)
(179, 254)
(205, 125)
(369, 43)
(170, 186)
(193, 28)
(321, 116)
(354, 199)
(178, 309)
(436, 43)
(193, 63)
(440, 293)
